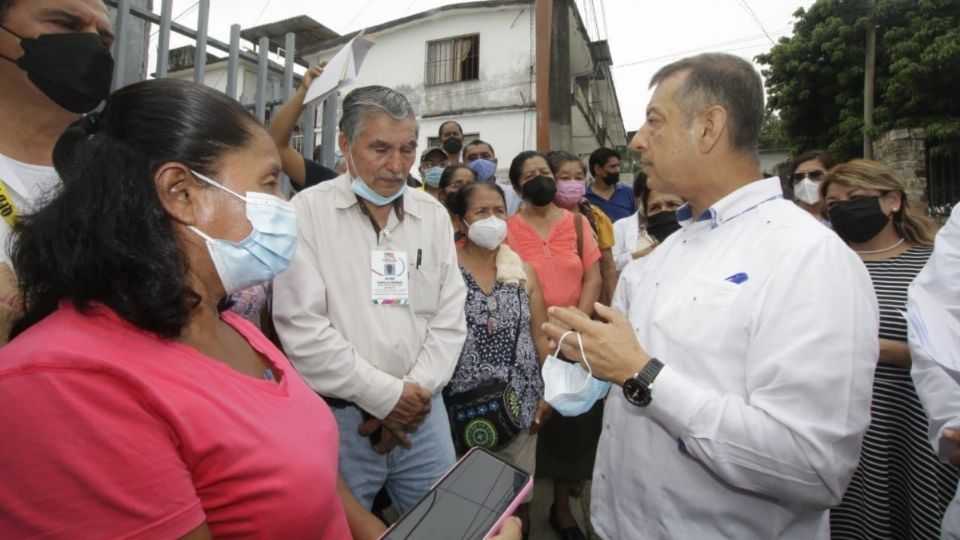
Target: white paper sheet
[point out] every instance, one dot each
(937, 331)
(341, 70)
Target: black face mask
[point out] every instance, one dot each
(539, 191)
(74, 70)
(662, 225)
(611, 179)
(450, 199)
(452, 146)
(857, 220)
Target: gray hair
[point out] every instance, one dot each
(725, 80)
(367, 100)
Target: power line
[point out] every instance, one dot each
(182, 14)
(262, 11)
(746, 7)
(357, 16)
(704, 47)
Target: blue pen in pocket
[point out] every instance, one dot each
(737, 278)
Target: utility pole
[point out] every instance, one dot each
(544, 18)
(868, 78)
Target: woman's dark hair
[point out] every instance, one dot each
(104, 237)
(819, 155)
(516, 166)
(639, 184)
(786, 183)
(643, 193)
(462, 198)
(447, 175)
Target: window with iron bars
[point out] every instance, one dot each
(453, 60)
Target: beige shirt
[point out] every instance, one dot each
(344, 345)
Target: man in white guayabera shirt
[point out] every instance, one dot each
(370, 311)
(744, 357)
(934, 312)
(55, 64)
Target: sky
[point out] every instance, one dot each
(644, 35)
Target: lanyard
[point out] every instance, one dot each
(8, 210)
(397, 207)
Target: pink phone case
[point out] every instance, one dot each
(513, 506)
(510, 508)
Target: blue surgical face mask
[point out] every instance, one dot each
(263, 254)
(569, 389)
(362, 190)
(484, 168)
(432, 176)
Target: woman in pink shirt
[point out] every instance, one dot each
(135, 404)
(545, 236)
(567, 263)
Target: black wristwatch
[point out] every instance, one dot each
(637, 388)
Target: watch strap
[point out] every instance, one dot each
(649, 372)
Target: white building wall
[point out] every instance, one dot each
(506, 82)
(215, 76)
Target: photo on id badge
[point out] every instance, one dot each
(389, 280)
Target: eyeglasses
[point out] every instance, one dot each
(431, 164)
(813, 175)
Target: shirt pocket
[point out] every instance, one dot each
(425, 283)
(699, 315)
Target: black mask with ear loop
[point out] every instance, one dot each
(74, 70)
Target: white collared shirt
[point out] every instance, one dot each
(27, 184)
(938, 391)
(767, 325)
(344, 345)
(627, 240)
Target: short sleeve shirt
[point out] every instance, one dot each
(555, 259)
(620, 205)
(112, 432)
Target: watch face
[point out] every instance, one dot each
(636, 392)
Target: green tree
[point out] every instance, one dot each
(772, 135)
(815, 77)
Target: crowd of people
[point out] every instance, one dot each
(186, 353)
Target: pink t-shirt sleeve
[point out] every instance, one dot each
(591, 251)
(93, 459)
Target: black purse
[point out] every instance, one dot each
(487, 416)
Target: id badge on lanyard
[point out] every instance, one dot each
(389, 277)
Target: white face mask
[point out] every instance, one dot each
(807, 191)
(569, 389)
(487, 233)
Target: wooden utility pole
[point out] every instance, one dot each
(868, 79)
(544, 18)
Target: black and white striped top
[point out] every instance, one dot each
(899, 490)
(891, 277)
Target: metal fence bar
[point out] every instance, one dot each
(200, 58)
(233, 61)
(262, 64)
(121, 30)
(163, 41)
(289, 47)
(188, 32)
(308, 130)
(329, 129)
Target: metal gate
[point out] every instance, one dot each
(126, 11)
